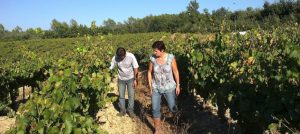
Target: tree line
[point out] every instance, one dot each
(189, 21)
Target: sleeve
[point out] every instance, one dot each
(135, 63)
(152, 59)
(171, 58)
(113, 63)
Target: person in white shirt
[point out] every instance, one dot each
(127, 77)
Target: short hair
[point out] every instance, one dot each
(121, 52)
(160, 45)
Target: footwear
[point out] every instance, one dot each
(120, 114)
(131, 114)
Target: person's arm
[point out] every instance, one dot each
(112, 63)
(150, 77)
(135, 79)
(176, 74)
(135, 71)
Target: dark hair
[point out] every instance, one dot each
(121, 52)
(160, 45)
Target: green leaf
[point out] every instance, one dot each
(230, 97)
(222, 80)
(94, 75)
(233, 65)
(47, 114)
(75, 102)
(77, 131)
(67, 105)
(68, 72)
(84, 131)
(57, 95)
(20, 132)
(33, 111)
(21, 123)
(54, 130)
(196, 76)
(88, 122)
(40, 126)
(85, 82)
(273, 127)
(199, 56)
(68, 124)
(107, 79)
(41, 130)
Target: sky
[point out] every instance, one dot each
(40, 13)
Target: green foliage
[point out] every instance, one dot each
(75, 89)
(192, 20)
(255, 75)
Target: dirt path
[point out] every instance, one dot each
(142, 122)
(193, 117)
(6, 123)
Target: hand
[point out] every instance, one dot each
(134, 84)
(177, 90)
(150, 91)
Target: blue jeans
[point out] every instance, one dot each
(122, 88)
(156, 100)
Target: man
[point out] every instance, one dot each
(127, 77)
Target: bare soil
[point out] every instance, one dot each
(6, 123)
(194, 116)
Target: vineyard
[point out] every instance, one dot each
(253, 76)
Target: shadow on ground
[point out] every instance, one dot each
(191, 117)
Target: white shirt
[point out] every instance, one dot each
(125, 67)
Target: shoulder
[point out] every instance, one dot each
(113, 58)
(130, 54)
(152, 57)
(171, 56)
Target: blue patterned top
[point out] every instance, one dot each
(162, 76)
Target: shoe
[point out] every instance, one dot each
(131, 114)
(120, 114)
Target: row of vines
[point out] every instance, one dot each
(70, 83)
(255, 76)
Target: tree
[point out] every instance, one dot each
(131, 25)
(73, 28)
(55, 25)
(93, 28)
(17, 29)
(192, 11)
(60, 29)
(193, 16)
(93, 25)
(2, 31)
(30, 31)
(38, 31)
(110, 25)
(73, 23)
(65, 30)
(83, 30)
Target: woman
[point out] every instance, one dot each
(162, 67)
